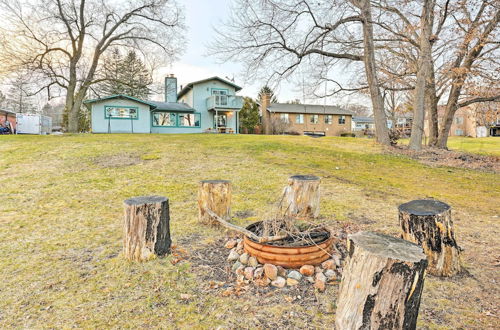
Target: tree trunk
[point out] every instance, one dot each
(429, 224)
(301, 197)
(423, 74)
(215, 196)
(381, 284)
(431, 105)
(146, 228)
(380, 118)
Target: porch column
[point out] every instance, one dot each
(216, 121)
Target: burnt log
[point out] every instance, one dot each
(146, 228)
(381, 283)
(214, 198)
(428, 223)
(301, 197)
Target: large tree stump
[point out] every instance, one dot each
(146, 228)
(214, 195)
(301, 197)
(428, 223)
(381, 283)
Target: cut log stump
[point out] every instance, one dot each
(381, 283)
(146, 228)
(214, 195)
(428, 223)
(301, 197)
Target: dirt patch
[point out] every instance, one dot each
(441, 157)
(117, 160)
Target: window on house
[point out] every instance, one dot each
(328, 119)
(164, 119)
(459, 132)
(284, 117)
(314, 119)
(220, 96)
(121, 112)
(459, 120)
(299, 119)
(189, 120)
(341, 120)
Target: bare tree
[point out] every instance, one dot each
(276, 37)
(63, 40)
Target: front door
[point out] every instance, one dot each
(220, 120)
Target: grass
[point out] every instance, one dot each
(488, 146)
(61, 213)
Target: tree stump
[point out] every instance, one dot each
(381, 283)
(146, 228)
(428, 223)
(301, 197)
(214, 195)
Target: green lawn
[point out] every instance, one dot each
(489, 146)
(61, 230)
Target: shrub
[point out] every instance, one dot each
(347, 134)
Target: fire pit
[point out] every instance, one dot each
(312, 252)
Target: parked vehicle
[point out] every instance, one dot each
(33, 124)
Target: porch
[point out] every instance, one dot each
(225, 121)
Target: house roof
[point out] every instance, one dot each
(308, 108)
(171, 106)
(191, 84)
(7, 111)
(120, 96)
(156, 105)
(362, 119)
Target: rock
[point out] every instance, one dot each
(291, 281)
(318, 269)
(236, 265)
(329, 264)
(320, 282)
(240, 278)
(310, 279)
(279, 282)
(239, 247)
(330, 275)
(258, 272)
(295, 275)
(233, 256)
(244, 258)
(252, 262)
(240, 270)
(264, 281)
(271, 271)
(337, 260)
(307, 270)
(248, 273)
(281, 271)
(230, 244)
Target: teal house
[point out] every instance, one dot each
(208, 105)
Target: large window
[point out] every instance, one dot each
(314, 119)
(299, 119)
(164, 119)
(328, 119)
(459, 120)
(220, 96)
(189, 119)
(121, 112)
(284, 117)
(341, 120)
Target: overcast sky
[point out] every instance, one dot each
(201, 18)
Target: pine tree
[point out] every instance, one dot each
(268, 90)
(125, 75)
(249, 114)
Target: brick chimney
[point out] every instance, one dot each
(170, 88)
(266, 120)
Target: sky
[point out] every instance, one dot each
(201, 18)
